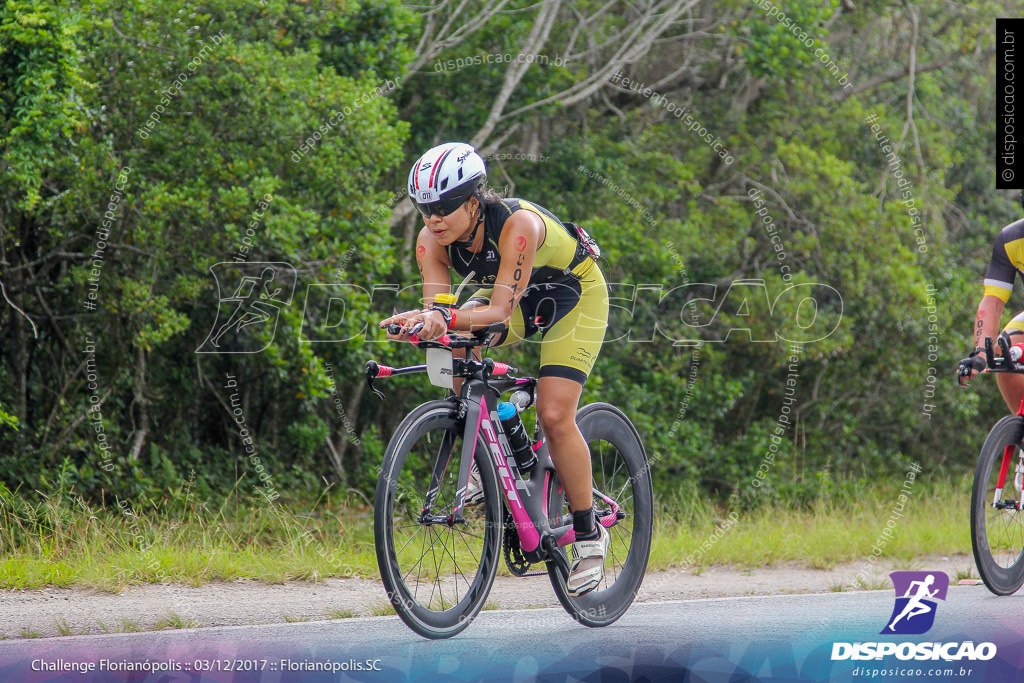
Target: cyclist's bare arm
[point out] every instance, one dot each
(522, 234)
(517, 248)
(986, 323)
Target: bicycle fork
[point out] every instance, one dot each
(1018, 480)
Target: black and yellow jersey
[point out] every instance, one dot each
(559, 259)
(1007, 261)
(566, 298)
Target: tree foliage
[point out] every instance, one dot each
(179, 122)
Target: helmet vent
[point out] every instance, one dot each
(460, 173)
(444, 185)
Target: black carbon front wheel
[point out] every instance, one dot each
(997, 526)
(437, 576)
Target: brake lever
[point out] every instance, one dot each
(371, 372)
(989, 355)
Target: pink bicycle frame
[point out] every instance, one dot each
(527, 500)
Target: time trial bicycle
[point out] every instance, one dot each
(438, 559)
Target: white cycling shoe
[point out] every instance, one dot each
(474, 491)
(587, 558)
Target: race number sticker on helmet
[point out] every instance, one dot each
(452, 169)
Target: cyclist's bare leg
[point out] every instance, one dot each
(557, 400)
(1011, 386)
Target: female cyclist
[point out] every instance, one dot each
(535, 275)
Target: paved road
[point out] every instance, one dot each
(778, 638)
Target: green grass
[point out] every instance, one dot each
(60, 540)
(65, 630)
(383, 609)
(936, 520)
(128, 626)
(172, 621)
(63, 541)
(968, 572)
(341, 614)
(874, 583)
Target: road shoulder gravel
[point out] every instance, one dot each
(52, 612)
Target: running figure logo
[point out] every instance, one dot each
(247, 320)
(916, 595)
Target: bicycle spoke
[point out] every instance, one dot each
(444, 537)
(442, 534)
(437, 573)
(459, 573)
(419, 528)
(446, 533)
(463, 533)
(419, 564)
(449, 553)
(623, 502)
(619, 464)
(622, 542)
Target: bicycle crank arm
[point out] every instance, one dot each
(554, 555)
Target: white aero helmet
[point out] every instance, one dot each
(445, 177)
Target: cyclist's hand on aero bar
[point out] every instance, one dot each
(969, 368)
(425, 324)
(405, 320)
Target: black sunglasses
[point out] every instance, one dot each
(442, 208)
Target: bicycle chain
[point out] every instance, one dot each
(514, 557)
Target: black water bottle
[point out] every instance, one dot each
(518, 439)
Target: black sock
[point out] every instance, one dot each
(584, 524)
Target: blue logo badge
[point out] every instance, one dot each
(916, 599)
